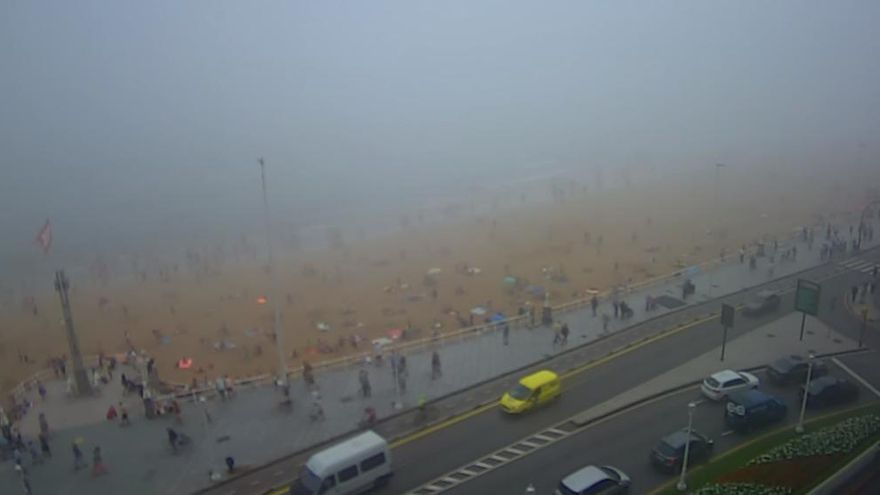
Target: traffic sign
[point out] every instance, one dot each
(806, 298)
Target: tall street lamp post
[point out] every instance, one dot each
(682, 486)
(800, 426)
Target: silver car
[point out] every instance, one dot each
(592, 480)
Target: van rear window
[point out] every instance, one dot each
(373, 462)
(347, 473)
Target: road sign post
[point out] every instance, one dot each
(727, 312)
(806, 300)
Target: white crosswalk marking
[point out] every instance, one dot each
(860, 265)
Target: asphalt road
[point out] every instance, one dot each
(624, 441)
(428, 457)
(420, 461)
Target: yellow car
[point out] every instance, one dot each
(531, 392)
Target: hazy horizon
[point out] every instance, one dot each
(143, 121)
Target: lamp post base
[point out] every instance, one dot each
(681, 486)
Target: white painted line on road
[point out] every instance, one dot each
(556, 431)
(542, 437)
(726, 433)
(699, 401)
(856, 376)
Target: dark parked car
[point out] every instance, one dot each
(765, 301)
(668, 455)
(830, 391)
(752, 409)
(793, 369)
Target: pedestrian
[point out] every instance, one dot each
(98, 467)
(364, 378)
(173, 438)
(505, 334)
(564, 331)
(41, 389)
(557, 333)
(401, 382)
(436, 371)
(220, 386)
(616, 308)
(23, 478)
(44, 424)
(594, 304)
(401, 366)
(605, 320)
(308, 375)
(123, 415)
(44, 445)
(78, 461)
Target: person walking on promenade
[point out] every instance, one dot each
(44, 445)
(308, 375)
(564, 331)
(123, 415)
(505, 334)
(23, 478)
(436, 370)
(98, 467)
(173, 438)
(364, 379)
(557, 333)
(78, 461)
(605, 320)
(44, 424)
(616, 308)
(594, 304)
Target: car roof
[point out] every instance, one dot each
(726, 375)
(366, 441)
(749, 398)
(676, 439)
(539, 378)
(584, 477)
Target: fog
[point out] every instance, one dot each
(139, 124)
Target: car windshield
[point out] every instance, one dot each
(666, 449)
(712, 382)
(611, 473)
(520, 392)
(309, 480)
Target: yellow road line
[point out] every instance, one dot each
(668, 484)
(279, 491)
(444, 424)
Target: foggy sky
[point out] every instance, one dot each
(119, 119)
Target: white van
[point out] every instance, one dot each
(353, 466)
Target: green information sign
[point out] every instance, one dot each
(806, 299)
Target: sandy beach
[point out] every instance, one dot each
(360, 289)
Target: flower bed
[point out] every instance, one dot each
(840, 438)
(742, 489)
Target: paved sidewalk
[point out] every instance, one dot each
(253, 429)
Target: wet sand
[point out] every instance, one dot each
(366, 287)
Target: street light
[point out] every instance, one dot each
(283, 381)
(800, 426)
(682, 486)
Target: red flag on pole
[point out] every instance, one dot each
(44, 237)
